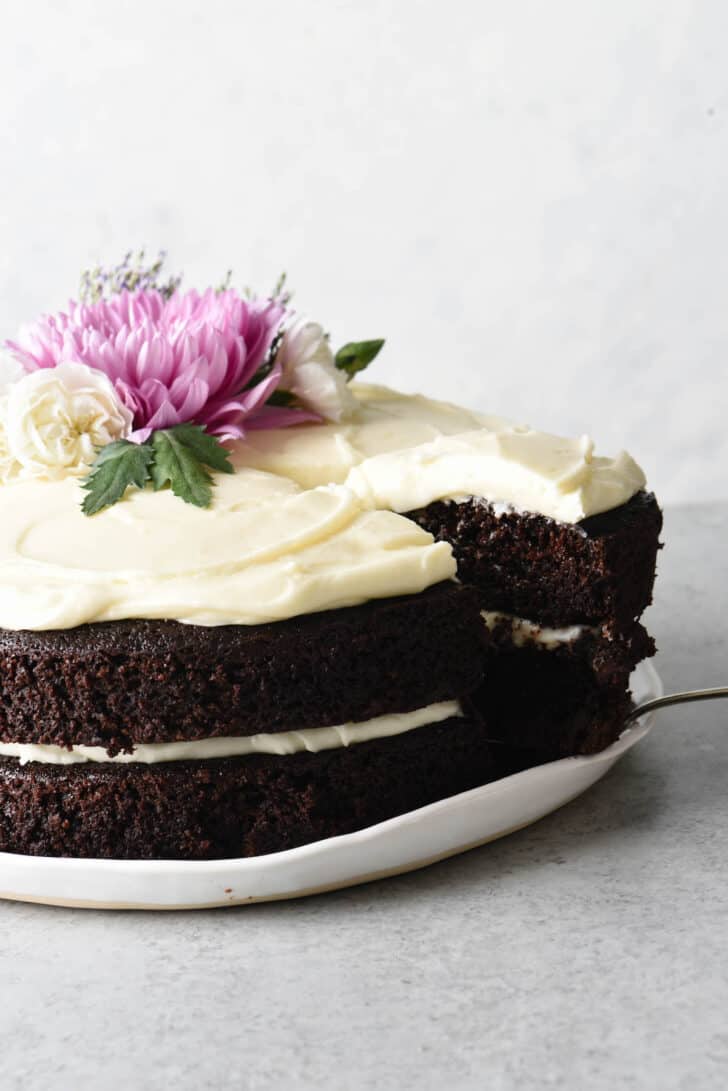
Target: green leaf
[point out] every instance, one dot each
(207, 448)
(357, 355)
(181, 457)
(115, 468)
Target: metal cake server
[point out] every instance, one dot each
(675, 699)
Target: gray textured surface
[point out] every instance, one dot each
(587, 951)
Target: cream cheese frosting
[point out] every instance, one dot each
(385, 421)
(524, 631)
(306, 523)
(533, 471)
(285, 742)
(266, 550)
(401, 452)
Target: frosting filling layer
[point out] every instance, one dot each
(285, 742)
(524, 631)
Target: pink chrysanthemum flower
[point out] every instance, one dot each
(190, 357)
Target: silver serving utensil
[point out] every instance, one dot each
(675, 699)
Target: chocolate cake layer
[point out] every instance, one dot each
(234, 807)
(559, 702)
(555, 573)
(117, 683)
(597, 652)
(584, 719)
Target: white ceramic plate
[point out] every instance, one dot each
(401, 844)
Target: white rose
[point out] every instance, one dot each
(55, 418)
(310, 373)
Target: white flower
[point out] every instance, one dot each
(53, 420)
(310, 373)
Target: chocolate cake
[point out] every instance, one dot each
(561, 546)
(198, 810)
(562, 698)
(85, 687)
(147, 737)
(562, 601)
(119, 684)
(245, 606)
(598, 570)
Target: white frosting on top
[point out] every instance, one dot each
(284, 742)
(284, 536)
(533, 471)
(264, 551)
(401, 452)
(385, 421)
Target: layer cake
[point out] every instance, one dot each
(378, 600)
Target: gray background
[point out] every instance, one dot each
(527, 199)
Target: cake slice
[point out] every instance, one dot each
(557, 692)
(560, 544)
(562, 602)
(596, 571)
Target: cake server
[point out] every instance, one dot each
(675, 699)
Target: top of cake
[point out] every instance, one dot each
(263, 551)
(402, 451)
(128, 403)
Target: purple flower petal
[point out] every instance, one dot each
(166, 416)
(275, 416)
(186, 358)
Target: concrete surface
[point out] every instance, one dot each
(588, 951)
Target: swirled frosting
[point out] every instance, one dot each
(266, 550)
(386, 421)
(306, 523)
(401, 452)
(532, 471)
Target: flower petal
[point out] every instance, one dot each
(274, 416)
(166, 416)
(187, 357)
